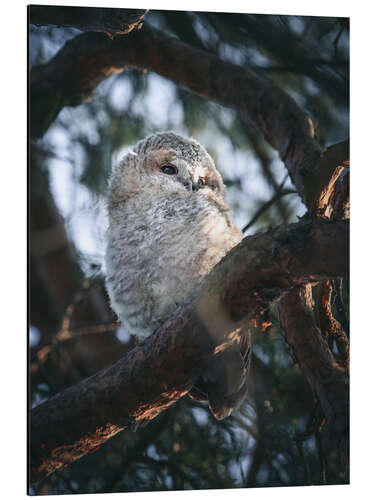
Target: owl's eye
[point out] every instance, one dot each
(169, 169)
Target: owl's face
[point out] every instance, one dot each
(166, 163)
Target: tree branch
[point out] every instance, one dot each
(340, 198)
(320, 182)
(114, 21)
(89, 58)
(259, 147)
(330, 327)
(329, 382)
(327, 196)
(256, 272)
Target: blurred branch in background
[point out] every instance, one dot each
(289, 49)
(263, 155)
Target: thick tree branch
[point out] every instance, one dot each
(71, 76)
(329, 381)
(259, 270)
(89, 58)
(114, 21)
(332, 328)
(327, 195)
(320, 182)
(340, 198)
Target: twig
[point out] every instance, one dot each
(260, 150)
(278, 194)
(306, 470)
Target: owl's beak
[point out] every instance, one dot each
(192, 186)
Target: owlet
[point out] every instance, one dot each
(168, 226)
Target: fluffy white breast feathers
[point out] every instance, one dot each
(168, 226)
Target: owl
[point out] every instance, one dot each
(169, 225)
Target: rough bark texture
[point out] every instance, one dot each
(331, 327)
(256, 272)
(321, 181)
(328, 380)
(89, 58)
(327, 195)
(340, 198)
(114, 21)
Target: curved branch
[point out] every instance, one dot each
(71, 76)
(256, 272)
(89, 58)
(114, 21)
(327, 195)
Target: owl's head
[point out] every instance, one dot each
(164, 163)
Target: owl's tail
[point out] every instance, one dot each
(224, 383)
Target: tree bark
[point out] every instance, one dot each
(327, 196)
(321, 182)
(255, 273)
(328, 380)
(114, 21)
(85, 61)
